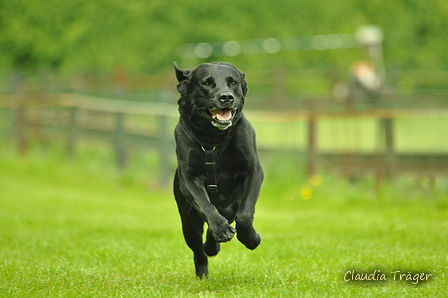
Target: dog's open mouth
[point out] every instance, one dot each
(222, 118)
(221, 115)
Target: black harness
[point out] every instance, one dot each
(211, 185)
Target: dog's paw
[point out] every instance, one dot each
(222, 232)
(211, 248)
(202, 271)
(250, 239)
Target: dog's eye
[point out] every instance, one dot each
(233, 83)
(207, 83)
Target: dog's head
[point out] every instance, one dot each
(211, 93)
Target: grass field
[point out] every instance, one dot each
(82, 229)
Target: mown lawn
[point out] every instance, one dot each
(81, 229)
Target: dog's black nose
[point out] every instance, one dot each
(226, 97)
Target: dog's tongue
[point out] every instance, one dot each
(224, 115)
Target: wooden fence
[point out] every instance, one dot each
(125, 123)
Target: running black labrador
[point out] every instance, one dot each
(219, 176)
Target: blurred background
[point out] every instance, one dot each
(354, 88)
(349, 100)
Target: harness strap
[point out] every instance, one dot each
(211, 185)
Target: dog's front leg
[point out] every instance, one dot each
(246, 233)
(218, 225)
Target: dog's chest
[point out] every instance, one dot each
(230, 171)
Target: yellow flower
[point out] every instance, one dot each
(316, 180)
(306, 192)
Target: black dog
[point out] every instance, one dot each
(219, 176)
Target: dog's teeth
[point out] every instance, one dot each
(221, 115)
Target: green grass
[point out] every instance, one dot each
(82, 229)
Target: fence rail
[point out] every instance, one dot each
(125, 123)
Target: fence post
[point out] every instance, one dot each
(120, 149)
(386, 156)
(17, 113)
(120, 81)
(22, 143)
(14, 89)
(389, 153)
(72, 131)
(312, 147)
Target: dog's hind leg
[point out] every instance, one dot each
(193, 227)
(211, 247)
